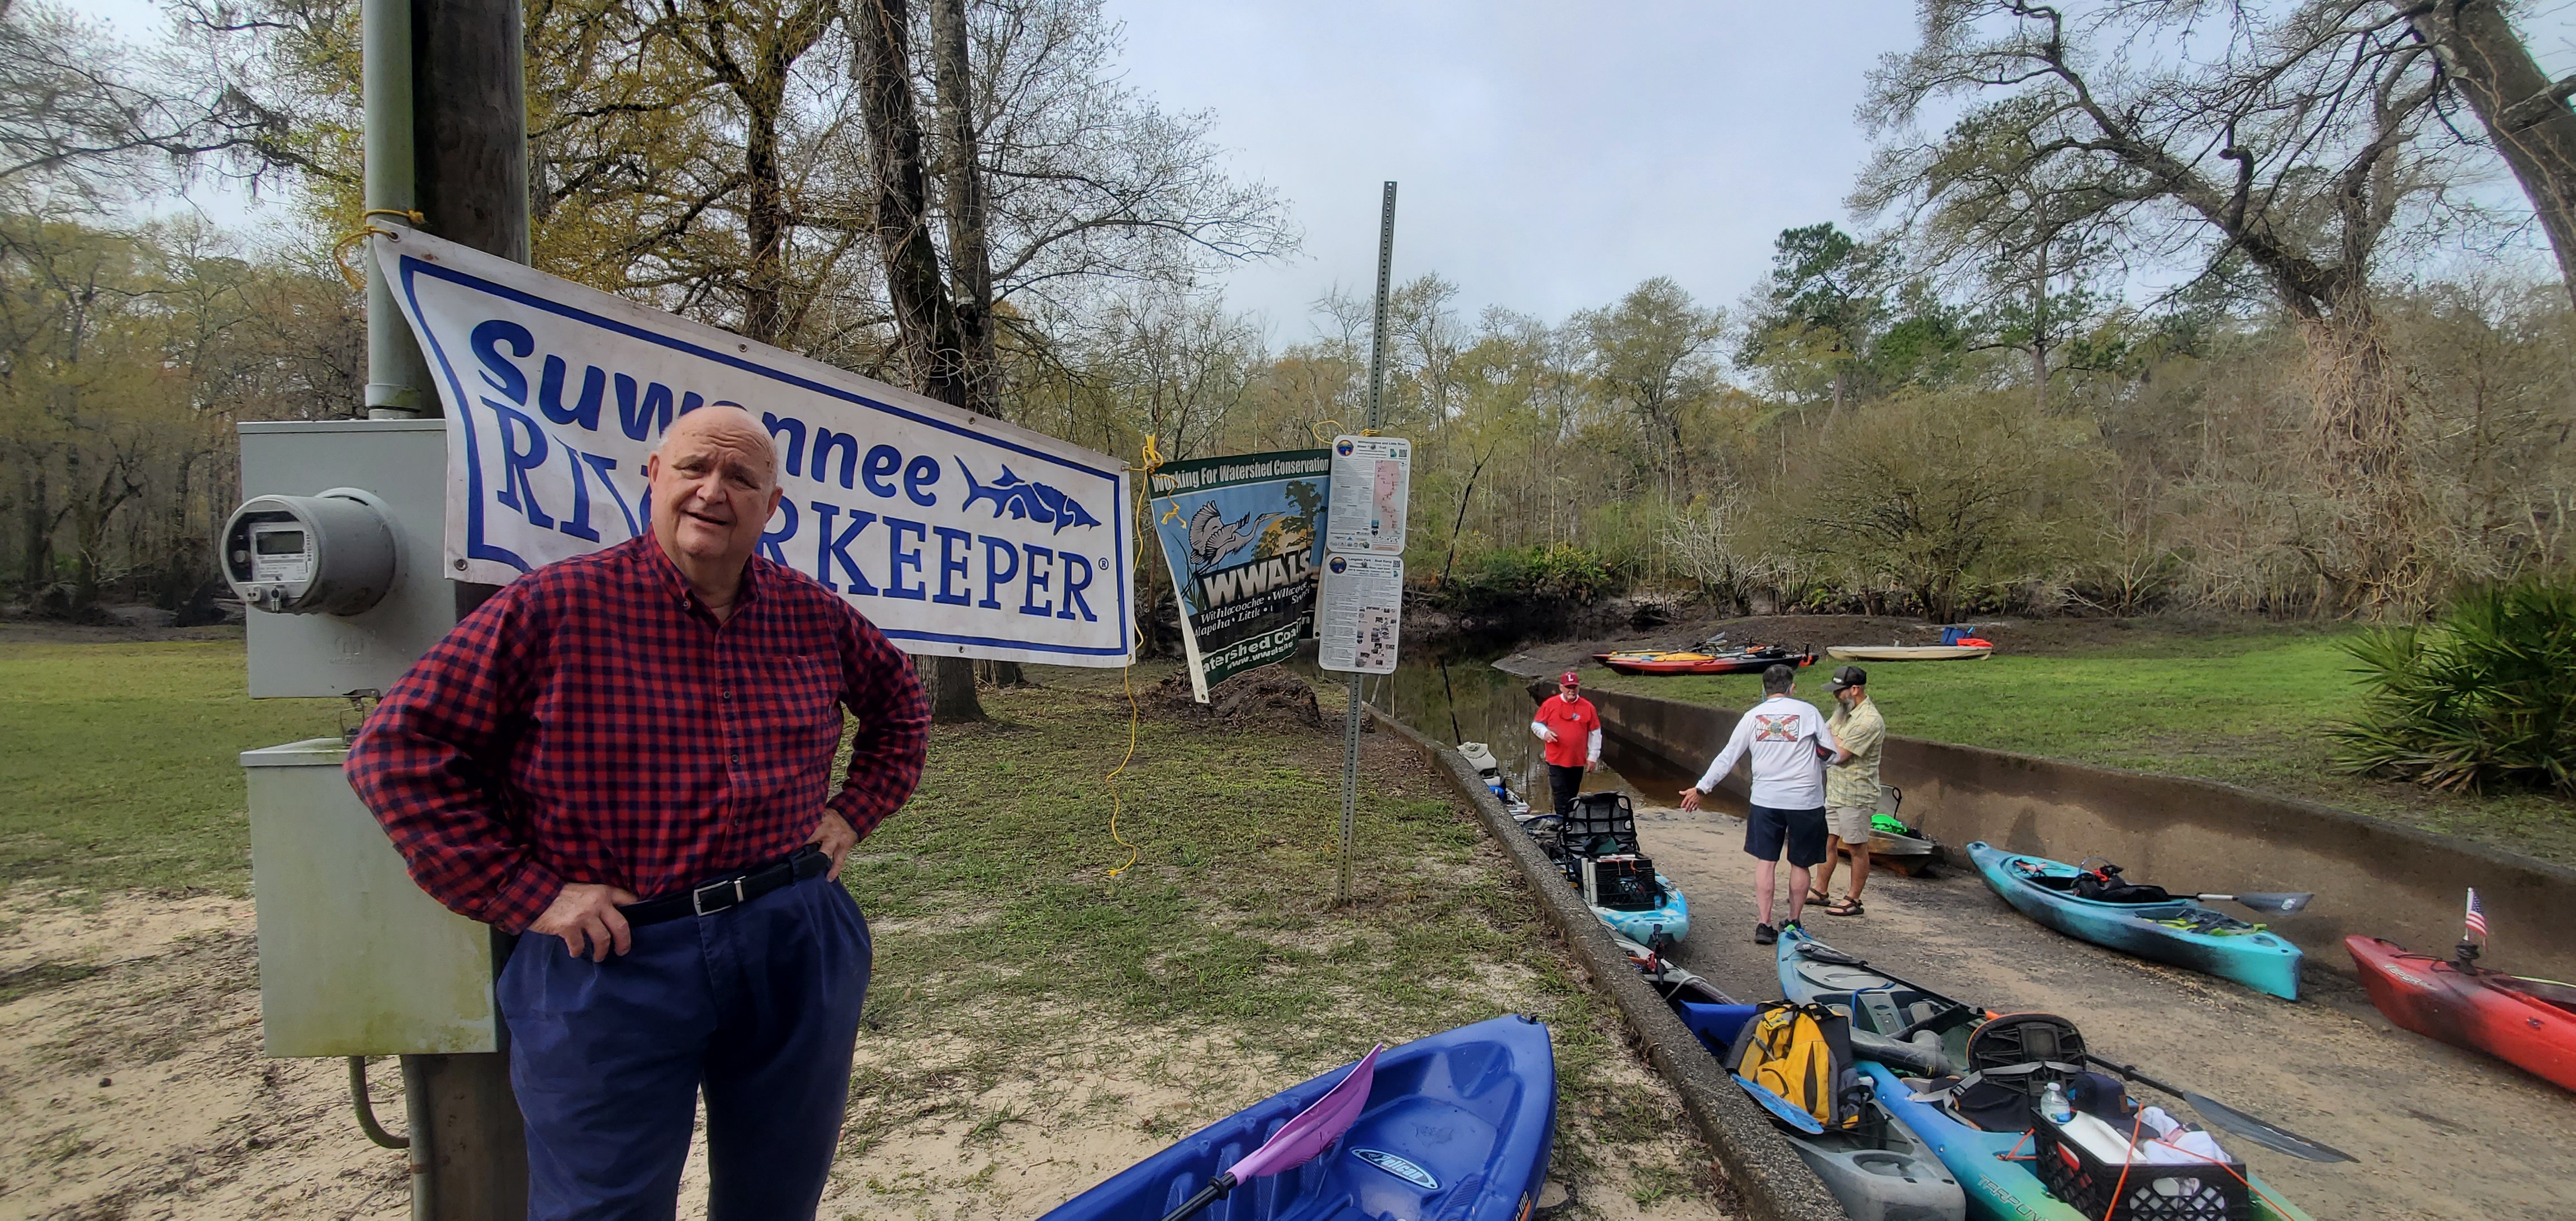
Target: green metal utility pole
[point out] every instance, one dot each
(1376, 414)
(447, 134)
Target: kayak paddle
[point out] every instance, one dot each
(2285, 904)
(1779, 1107)
(1297, 1141)
(2270, 1135)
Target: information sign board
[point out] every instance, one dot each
(1372, 479)
(1361, 613)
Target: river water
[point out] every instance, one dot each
(1467, 700)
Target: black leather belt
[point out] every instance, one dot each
(730, 891)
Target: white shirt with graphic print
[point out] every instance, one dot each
(1782, 735)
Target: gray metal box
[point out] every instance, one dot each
(354, 960)
(404, 464)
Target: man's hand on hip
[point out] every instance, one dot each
(835, 837)
(585, 915)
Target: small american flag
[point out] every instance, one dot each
(2477, 917)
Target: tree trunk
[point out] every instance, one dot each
(950, 684)
(2360, 430)
(2039, 331)
(2535, 132)
(925, 318)
(765, 207)
(969, 241)
(35, 515)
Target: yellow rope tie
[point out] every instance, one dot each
(340, 249)
(1152, 458)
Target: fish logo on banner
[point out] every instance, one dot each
(955, 534)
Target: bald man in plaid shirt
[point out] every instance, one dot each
(627, 755)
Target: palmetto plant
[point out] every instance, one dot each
(2484, 699)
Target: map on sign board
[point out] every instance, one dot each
(1372, 479)
(1361, 613)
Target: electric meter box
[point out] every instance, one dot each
(337, 550)
(354, 958)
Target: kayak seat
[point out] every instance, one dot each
(2011, 1059)
(1601, 824)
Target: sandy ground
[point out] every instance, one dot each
(131, 1086)
(2440, 1132)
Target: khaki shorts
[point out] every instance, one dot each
(1850, 824)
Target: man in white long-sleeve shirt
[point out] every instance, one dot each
(1572, 730)
(1790, 743)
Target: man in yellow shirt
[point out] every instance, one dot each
(1851, 788)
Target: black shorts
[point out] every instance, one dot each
(1803, 831)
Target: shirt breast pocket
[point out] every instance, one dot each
(800, 695)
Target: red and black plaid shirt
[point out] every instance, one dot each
(593, 723)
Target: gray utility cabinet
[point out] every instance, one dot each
(353, 958)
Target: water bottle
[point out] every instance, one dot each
(2053, 1104)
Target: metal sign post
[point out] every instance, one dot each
(1376, 413)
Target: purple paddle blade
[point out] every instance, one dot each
(1315, 1128)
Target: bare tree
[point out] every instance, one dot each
(2525, 113)
(2287, 137)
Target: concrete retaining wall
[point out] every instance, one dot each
(2371, 877)
(1776, 1185)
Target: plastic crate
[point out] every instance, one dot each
(2159, 1191)
(1621, 883)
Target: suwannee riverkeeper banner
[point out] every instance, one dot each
(1242, 535)
(957, 535)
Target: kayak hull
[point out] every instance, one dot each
(1699, 663)
(2265, 962)
(1672, 919)
(1897, 1178)
(1919, 652)
(1471, 1110)
(2433, 998)
(1906, 854)
(1992, 1168)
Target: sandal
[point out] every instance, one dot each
(1845, 906)
(1818, 898)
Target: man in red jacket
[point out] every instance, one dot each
(1571, 729)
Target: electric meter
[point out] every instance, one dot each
(331, 554)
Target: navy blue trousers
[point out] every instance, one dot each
(757, 1006)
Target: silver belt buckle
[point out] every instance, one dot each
(698, 897)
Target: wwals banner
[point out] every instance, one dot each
(955, 534)
(1242, 537)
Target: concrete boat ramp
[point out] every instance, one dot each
(2440, 1132)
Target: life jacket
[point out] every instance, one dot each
(1803, 1054)
(2106, 885)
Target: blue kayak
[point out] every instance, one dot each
(1670, 919)
(1992, 1166)
(1457, 1128)
(2177, 931)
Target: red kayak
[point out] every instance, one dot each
(1733, 661)
(2528, 1023)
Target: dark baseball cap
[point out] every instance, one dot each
(1848, 676)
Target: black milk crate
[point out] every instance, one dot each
(2154, 1191)
(1621, 883)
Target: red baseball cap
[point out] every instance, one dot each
(1569, 679)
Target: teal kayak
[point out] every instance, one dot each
(1994, 1168)
(2177, 931)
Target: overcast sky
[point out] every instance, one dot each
(1550, 155)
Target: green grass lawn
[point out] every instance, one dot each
(1008, 958)
(118, 761)
(2249, 709)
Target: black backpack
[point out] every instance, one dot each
(2105, 885)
